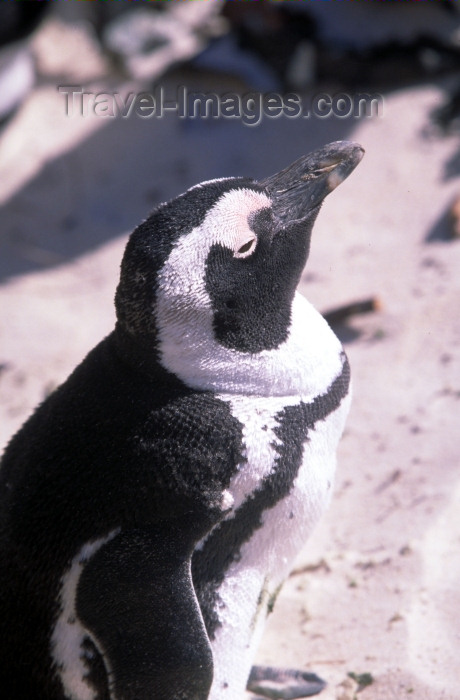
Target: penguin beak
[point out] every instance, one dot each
(300, 188)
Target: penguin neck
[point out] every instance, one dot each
(303, 365)
(136, 352)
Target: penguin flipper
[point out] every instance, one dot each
(283, 684)
(136, 599)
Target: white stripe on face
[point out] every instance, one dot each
(303, 364)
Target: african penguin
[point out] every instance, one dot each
(152, 506)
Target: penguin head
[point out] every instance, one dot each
(215, 270)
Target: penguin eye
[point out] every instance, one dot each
(246, 249)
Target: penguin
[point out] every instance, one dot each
(153, 504)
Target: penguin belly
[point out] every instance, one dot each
(279, 492)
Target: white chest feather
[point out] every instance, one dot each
(265, 559)
(69, 634)
(263, 444)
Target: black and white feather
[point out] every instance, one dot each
(151, 508)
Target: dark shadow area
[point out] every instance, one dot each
(452, 167)
(446, 120)
(345, 333)
(441, 230)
